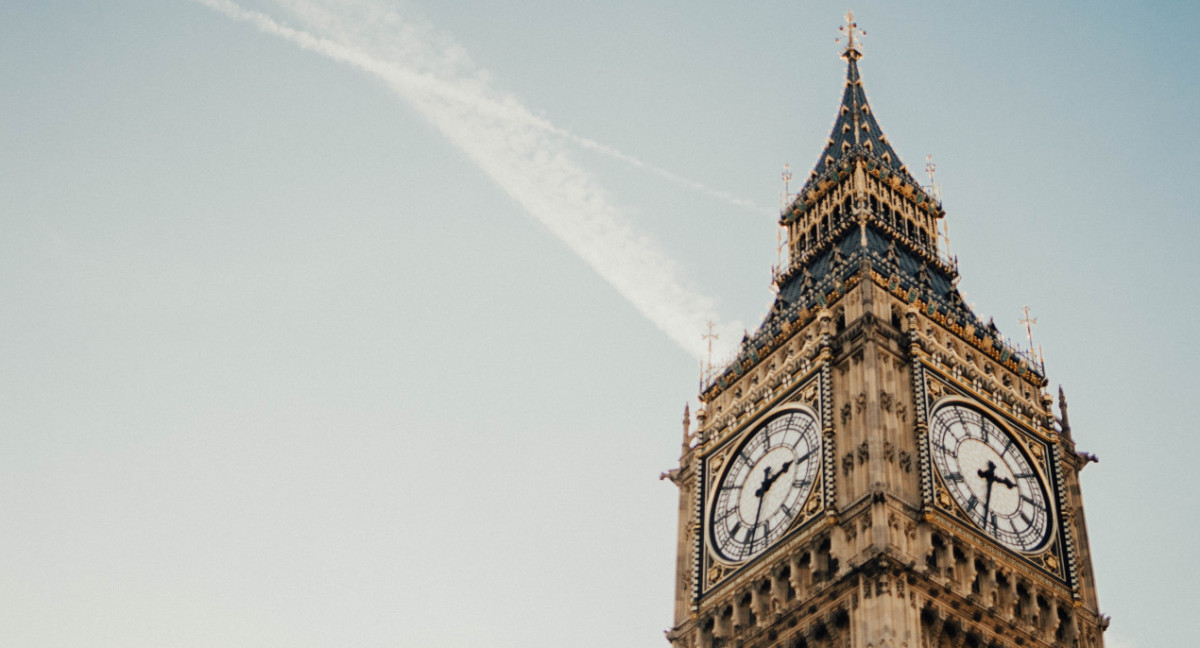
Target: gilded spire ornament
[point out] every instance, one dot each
(1028, 321)
(852, 36)
(709, 337)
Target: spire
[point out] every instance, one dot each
(856, 133)
(1062, 408)
(687, 425)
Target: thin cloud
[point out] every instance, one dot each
(523, 153)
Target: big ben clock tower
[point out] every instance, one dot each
(878, 467)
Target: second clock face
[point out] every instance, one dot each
(989, 477)
(765, 485)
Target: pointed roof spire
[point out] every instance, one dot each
(687, 427)
(1062, 408)
(855, 132)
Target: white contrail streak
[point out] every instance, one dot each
(524, 154)
(725, 196)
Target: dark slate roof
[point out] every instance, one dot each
(855, 113)
(827, 272)
(843, 259)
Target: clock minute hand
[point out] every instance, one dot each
(987, 502)
(768, 480)
(762, 490)
(989, 476)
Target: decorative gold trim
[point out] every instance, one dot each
(812, 504)
(945, 380)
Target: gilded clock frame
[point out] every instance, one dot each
(810, 395)
(1055, 558)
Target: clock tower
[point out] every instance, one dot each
(878, 467)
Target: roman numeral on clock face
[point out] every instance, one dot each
(765, 484)
(989, 476)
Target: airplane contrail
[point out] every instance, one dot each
(523, 153)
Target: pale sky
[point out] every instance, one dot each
(371, 323)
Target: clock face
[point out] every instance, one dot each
(988, 475)
(765, 485)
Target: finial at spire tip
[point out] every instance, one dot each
(853, 37)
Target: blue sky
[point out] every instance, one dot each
(372, 323)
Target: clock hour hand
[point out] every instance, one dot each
(990, 476)
(786, 465)
(769, 479)
(766, 483)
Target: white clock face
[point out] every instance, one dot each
(988, 475)
(765, 485)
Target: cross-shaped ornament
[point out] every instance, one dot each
(1028, 323)
(853, 36)
(710, 336)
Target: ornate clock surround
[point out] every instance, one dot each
(808, 395)
(1056, 557)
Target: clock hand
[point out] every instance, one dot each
(987, 502)
(990, 476)
(766, 483)
(990, 473)
(754, 529)
(786, 465)
(770, 479)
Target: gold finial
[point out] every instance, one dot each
(786, 197)
(853, 36)
(935, 190)
(1027, 321)
(779, 268)
(710, 336)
